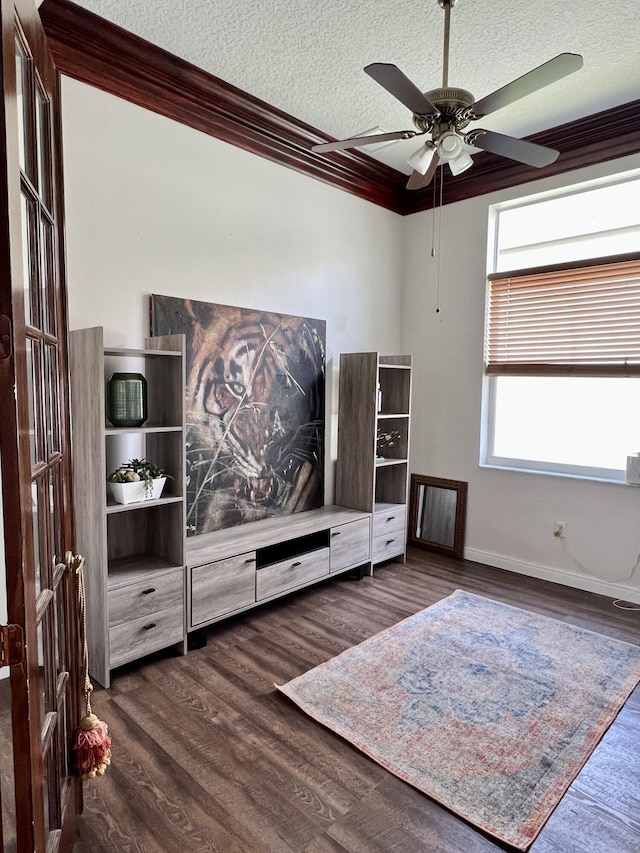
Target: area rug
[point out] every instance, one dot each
(488, 709)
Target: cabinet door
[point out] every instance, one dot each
(350, 544)
(222, 587)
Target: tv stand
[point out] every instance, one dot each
(236, 569)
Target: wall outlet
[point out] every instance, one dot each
(560, 529)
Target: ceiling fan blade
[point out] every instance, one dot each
(356, 141)
(418, 181)
(543, 75)
(398, 84)
(514, 149)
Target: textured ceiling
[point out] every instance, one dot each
(306, 58)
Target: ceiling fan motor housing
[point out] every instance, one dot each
(453, 106)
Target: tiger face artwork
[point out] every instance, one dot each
(255, 401)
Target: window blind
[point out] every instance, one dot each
(567, 320)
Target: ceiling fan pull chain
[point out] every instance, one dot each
(433, 217)
(439, 242)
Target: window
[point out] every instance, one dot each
(562, 341)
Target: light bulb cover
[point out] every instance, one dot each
(462, 162)
(421, 159)
(449, 146)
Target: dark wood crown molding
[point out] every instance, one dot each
(94, 51)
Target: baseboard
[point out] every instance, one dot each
(590, 584)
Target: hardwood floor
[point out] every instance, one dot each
(207, 756)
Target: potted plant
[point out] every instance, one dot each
(137, 480)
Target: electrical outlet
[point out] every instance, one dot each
(560, 529)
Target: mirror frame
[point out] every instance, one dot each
(460, 487)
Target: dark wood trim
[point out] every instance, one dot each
(594, 139)
(94, 51)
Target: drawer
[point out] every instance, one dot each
(222, 587)
(139, 637)
(350, 544)
(389, 520)
(291, 573)
(147, 596)
(387, 545)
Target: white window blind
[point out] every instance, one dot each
(566, 320)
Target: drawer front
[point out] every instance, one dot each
(350, 544)
(142, 636)
(389, 521)
(292, 573)
(387, 545)
(222, 587)
(148, 596)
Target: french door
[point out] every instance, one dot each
(40, 643)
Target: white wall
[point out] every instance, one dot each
(153, 206)
(510, 515)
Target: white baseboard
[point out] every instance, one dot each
(590, 584)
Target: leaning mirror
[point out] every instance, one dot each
(437, 514)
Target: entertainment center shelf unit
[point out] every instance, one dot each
(147, 585)
(374, 401)
(135, 553)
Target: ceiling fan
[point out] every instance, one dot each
(444, 114)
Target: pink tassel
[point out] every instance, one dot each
(92, 747)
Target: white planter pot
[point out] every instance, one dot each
(130, 493)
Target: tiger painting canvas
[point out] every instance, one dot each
(255, 401)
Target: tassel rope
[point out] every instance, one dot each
(92, 746)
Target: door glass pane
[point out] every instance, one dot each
(52, 413)
(39, 579)
(64, 769)
(43, 691)
(43, 148)
(61, 619)
(55, 516)
(47, 798)
(26, 255)
(48, 293)
(32, 398)
(55, 644)
(21, 95)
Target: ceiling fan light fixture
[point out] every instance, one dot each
(460, 164)
(421, 159)
(451, 149)
(450, 146)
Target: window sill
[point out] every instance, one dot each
(591, 478)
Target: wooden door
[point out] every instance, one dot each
(34, 445)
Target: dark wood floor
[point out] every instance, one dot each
(207, 756)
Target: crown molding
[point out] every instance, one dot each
(94, 51)
(595, 139)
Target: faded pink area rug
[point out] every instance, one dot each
(488, 709)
